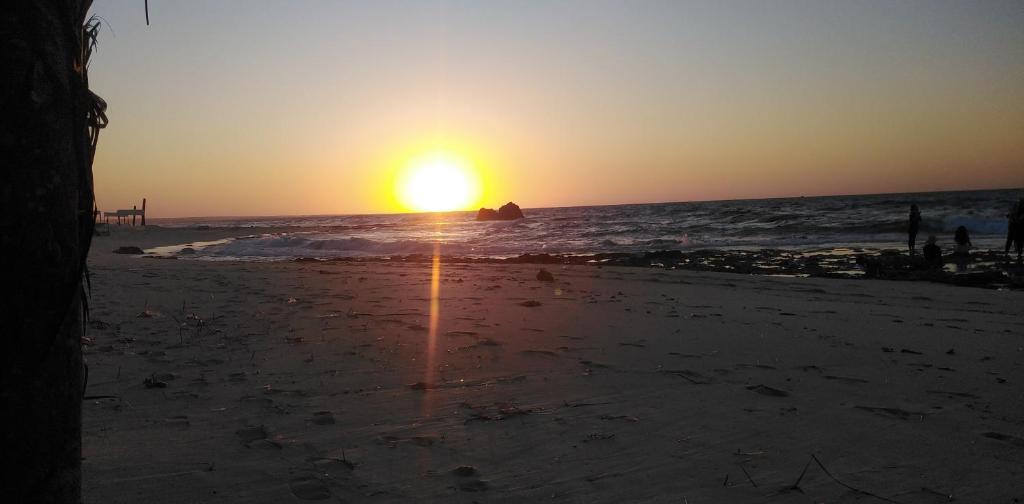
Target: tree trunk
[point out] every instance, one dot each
(46, 147)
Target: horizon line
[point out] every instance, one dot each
(1020, 188)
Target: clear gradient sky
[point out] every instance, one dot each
(308, 107)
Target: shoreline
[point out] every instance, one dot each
(986, 268)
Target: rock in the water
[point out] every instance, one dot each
(129, 250)
(508, 211)
(487, 214)
(545, 276)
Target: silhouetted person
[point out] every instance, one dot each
(1015, 228)
(962, 239)
(932, 253)
(962, 251)
(913, 224)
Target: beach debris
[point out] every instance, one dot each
(129, 250)
(745, 473)
(530, 303)
(153, 382)
(620, 417)
(328, 461)
(598, 436)
(950, 352)
(768, 391)
(814, 458)
(148, 313)
(545, 276)
(888, 349)
(909, 351)
(293, 339)
(422, 386)
(568, 404)
(309, 488)
(291, 300)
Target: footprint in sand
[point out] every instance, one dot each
(1014, 440)
(250, 434)
(308, 488)
(179, 421)
(468, 479)
(540, 353)
(893, 412)
(322, 418)
(768, 391)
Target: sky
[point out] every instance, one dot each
(315, 107)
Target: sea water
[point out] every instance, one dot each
(866, 222)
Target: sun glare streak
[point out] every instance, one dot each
(435, 313)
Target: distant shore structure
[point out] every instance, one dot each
(122, 215)
(508, 211)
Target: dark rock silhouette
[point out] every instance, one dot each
(487, 214)
(508, 211)
(545, 276)
(129, 250)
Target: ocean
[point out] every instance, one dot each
(804, 224)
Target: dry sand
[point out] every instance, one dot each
(288, 382)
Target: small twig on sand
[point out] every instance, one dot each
(796, 486)
(745, 473)
(865, 492)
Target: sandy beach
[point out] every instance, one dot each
(287, 382)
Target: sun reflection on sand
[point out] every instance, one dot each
(435, 312)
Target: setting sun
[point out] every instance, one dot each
(438, 183)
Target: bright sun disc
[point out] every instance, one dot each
(437, 184)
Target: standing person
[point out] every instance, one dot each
(1012, 226)
(1015, 231)
(915, 222)
(963, 240)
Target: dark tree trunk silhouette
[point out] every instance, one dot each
(47, 141)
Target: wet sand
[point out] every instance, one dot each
(291, 382)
